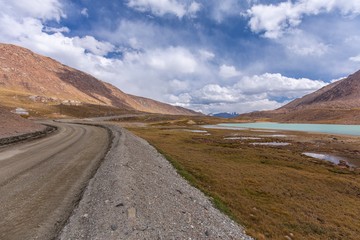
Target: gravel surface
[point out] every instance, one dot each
(137, 194)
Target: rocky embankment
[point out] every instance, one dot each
(14, 128)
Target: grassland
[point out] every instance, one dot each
(275, 192)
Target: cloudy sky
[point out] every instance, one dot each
(207, 55)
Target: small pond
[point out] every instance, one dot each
(326, 157)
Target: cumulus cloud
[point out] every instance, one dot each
(41, 9)
(276, 85)
(94, 46)
(193, 8)
(250, 93)
(226, 71)
(162, 7)
(140, 35)
(174, 59)
(272, 20)
(240, 107)
(355, 58)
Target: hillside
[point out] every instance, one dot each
(31, 80)
(338, 102)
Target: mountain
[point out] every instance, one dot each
(224, 114)
(338, 102)
(29, 79)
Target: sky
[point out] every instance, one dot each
(206, 55)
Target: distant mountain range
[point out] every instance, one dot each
(33, 81)
(225, 114)
(338, 102)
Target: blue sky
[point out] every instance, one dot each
(207, 55)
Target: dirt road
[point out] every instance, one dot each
(41, 181)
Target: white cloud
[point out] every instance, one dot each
(85, 12)
(273, 20)
(140, 35)
(41, 9)
(91, 44)
(276, 85)
(226, 71)
(206, 55)
(308, 49)
(162, 7)
(303, 44)
(194, 7)
(174, 59)
(355, 58)
(225, 8)
(214, 93)
(240, 107)
(248, 94)
(178, 86)
(56, 30)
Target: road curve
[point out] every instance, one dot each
(42, 180)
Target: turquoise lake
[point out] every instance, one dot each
(353, 130)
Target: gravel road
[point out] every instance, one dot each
(137, 194)
(41, 181)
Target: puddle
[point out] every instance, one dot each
(271, 144)
(242, 138)
(196, 131)
(192, 130)
(326, 157)
(275, 135)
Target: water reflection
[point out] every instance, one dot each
(326, 157)
(271, 144)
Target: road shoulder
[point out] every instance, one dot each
(137, 194)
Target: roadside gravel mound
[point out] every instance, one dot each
(137, 194)
(14, 125)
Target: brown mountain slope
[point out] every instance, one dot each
(338, 102)
(42, 79)
(341, 94)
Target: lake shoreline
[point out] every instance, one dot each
(336, 129)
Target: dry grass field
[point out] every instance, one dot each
(275, 192)
(14, 99)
